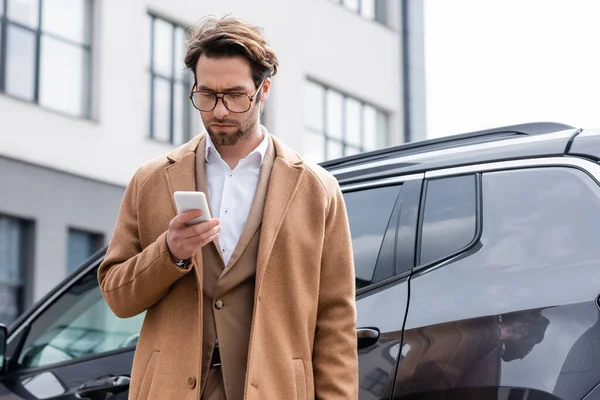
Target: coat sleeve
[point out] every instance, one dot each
(133, 279)
(335, 358)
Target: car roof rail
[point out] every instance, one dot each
(527, 129)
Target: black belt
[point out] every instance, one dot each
(215, 361)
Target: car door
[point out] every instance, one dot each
(504, 297)
(383, 219)
(71, 345)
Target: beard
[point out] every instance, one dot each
(229, 139)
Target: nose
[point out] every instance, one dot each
(220, 110)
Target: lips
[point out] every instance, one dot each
(223, 126)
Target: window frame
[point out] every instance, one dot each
(380, 11)
(404, 248)
(478, 221)
(343, 141)
(27, 236)
(39, 34)
(394, 212)
(97, 241)
(186, 82)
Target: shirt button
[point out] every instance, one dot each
(219, 304)
(231, 175)
(191, 382)
(223, 250)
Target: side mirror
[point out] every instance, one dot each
(3, 337)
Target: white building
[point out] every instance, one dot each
(89, 90)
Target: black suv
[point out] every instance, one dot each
(477, 272)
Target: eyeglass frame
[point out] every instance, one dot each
(220, 95)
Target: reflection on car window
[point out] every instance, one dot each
(78, 324)
(540, 217)
(369, 213)
(449, 219)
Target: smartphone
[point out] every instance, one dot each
(188, 200)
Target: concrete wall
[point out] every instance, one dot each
(55, 201)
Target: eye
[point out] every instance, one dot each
(234, 96)
(206, 95)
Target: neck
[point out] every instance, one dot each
(233, 154)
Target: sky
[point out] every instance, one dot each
(491, 63)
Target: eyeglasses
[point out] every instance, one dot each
(235, 102)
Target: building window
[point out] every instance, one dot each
(81, 245)
(172, 118)
(337, 125)
(45, 53)
(14, 253)
(370, 9)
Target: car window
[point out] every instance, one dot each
(370, 215)
(449, 217)
(76, 325)
(540, 216)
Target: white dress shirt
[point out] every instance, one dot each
(231, 192)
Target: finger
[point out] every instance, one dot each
(195, 231)
(200, 236)
(188, 216)
(205, 226)
(197, 242)
(212, 238)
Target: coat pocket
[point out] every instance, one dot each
(148, 377)
(300, 378)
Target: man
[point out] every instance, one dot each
(258, 302)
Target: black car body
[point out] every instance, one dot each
(477, 266)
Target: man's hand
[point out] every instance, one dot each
(183, 241)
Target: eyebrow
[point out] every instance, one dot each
(230, 89)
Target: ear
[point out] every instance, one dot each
(265, 90)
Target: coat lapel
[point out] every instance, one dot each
(285, 178)
(255, 215)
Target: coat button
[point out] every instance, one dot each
(219, 304)
(192, 382)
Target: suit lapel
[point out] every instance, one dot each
(285, 178)
(202, 183)
(255, 215)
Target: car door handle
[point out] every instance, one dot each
(367, 337)
(99, 388)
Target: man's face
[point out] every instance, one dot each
(228, 75)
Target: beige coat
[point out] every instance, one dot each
(303, 337)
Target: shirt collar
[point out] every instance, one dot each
(261, 149)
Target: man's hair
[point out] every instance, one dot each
(231, 36)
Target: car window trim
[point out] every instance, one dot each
(78, 360)
(382, 285)
(478, 222)
(591, 168)
(52, 297)
(350, 187)
(390, 181)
